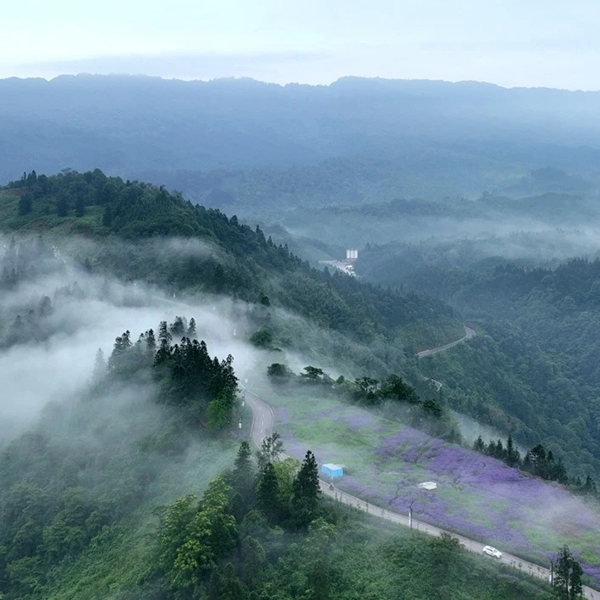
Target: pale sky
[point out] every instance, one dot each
(529, 43)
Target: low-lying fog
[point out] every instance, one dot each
(54, 360)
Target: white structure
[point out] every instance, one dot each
(427, 485)
(351, 254)
(341, 265)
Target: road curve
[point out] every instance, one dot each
(469, 333)
(263, 420)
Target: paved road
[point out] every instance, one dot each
(263, 420)
(469, 333)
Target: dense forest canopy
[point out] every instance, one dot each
(243, 262)
(121, 489)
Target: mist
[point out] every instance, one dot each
(88, 311)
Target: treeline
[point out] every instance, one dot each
(30, 320)
(392, 393)
(536, 461)
(32, 326)
(258, 267)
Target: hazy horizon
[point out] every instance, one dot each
(509, 44)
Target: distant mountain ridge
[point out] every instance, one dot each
(129, 124)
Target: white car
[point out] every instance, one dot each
(491, 551)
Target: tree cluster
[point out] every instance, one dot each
(203, 388)
(220, 546)
(567, 574)
(538, 462)
(392, 393)
(23, 260)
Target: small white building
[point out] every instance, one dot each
(427, 485)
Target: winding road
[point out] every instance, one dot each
(469, 333)
(263, 420)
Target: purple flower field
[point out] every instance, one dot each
(477, 496)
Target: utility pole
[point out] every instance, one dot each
(410, 515)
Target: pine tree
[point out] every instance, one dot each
(99, 365)
(163, 332)
(499, 450)
(164, 347)
(479, 445)
(306, 492)
(150, 344)
(177, 328)
(120, 348)
(267, 493)
(513, 457)
(191, 332)
(576, 590)
(539, 461)
(562, 573)
(243, 474)
(567, 577)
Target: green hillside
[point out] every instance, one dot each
(239, 261)
(532, 370)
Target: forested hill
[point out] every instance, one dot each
(543, 343)
(235, 260)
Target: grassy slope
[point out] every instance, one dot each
(43, 219)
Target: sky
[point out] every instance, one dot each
(548, 43)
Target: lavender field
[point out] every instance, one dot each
(476, 495)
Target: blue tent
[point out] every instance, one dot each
(332, 471)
